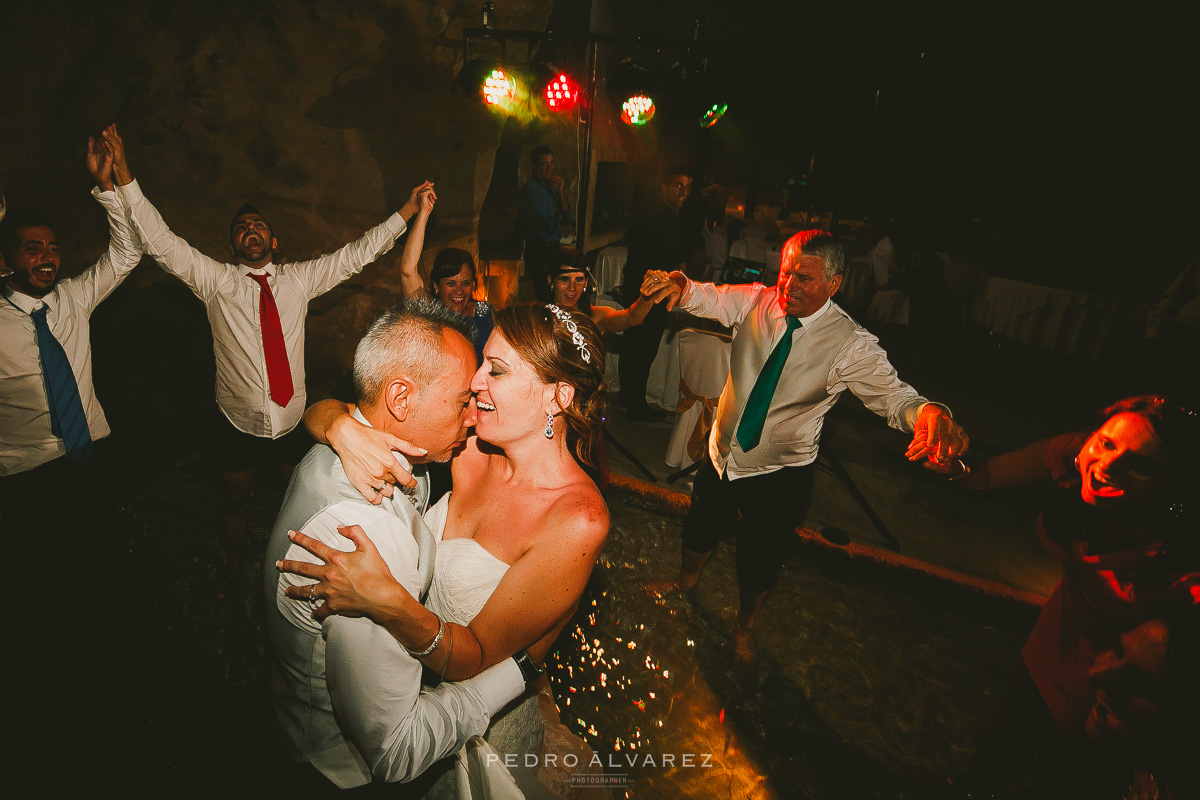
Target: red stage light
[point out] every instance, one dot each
(562, 93)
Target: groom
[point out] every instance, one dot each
(347, 695)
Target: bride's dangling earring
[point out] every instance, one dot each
(549, 426)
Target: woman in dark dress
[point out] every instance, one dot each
(1120, 524)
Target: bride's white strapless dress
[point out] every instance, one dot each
(464, 577)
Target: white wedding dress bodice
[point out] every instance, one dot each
(464, 574)
(464, 577)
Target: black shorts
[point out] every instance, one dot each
(236, 451)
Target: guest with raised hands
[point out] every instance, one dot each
(50, 419)
(257, 308)
(452, 279)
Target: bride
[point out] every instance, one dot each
(521, 530)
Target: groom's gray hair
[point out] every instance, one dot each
(405, 340)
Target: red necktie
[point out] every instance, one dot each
(279, 374)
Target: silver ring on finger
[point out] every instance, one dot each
(312, 594)
(376, 489)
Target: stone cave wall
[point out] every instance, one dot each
(322, 113)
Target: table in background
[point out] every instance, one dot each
(1070, 322)
(610, 263)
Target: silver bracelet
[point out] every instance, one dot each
(965, 471)
(436, 641)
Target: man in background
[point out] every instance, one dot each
(542, 207)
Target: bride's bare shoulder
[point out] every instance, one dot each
(580, 510)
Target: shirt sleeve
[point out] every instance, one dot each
(726, 304)
(96, 283)
(322, 274)
(864, 369)
(201, 273)
(374, 684)
(399, 730)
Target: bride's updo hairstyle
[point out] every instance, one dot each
(562, 344)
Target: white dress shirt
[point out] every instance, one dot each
(232, 301)
(347, 695)
(830, 353)
(25, 437)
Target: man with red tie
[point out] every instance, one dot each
(257, 310)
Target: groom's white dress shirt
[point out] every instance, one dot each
(347, 695)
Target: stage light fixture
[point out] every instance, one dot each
(712, 115)
(499, 88)
(561, 93)
(637, 110)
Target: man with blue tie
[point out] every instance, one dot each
(794, 352)
(50, 418)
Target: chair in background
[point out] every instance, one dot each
(703, 369)
(887, 304)
(716, 245)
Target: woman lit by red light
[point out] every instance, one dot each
(1119, 526)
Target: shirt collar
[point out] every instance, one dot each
(804, 321)
(25, 302)
(270, 270)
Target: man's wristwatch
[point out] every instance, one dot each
(530, 671)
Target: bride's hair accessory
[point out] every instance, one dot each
(573, 329)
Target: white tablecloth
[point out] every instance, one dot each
(1071, 322)
(662, 385)
(609, 264)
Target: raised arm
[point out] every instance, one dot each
(173, 254)
(366, 453)
(726, 304)
(411, 282)
(324, 273)
(93, 285)
(612, 320)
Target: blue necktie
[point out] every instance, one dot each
(67, 420)
(750, 430)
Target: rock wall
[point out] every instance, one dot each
(323, 114)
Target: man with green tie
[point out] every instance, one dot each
(794, 352)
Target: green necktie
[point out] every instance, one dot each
(755, 415)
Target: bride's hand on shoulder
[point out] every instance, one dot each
(367, 456)
(357, 583)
